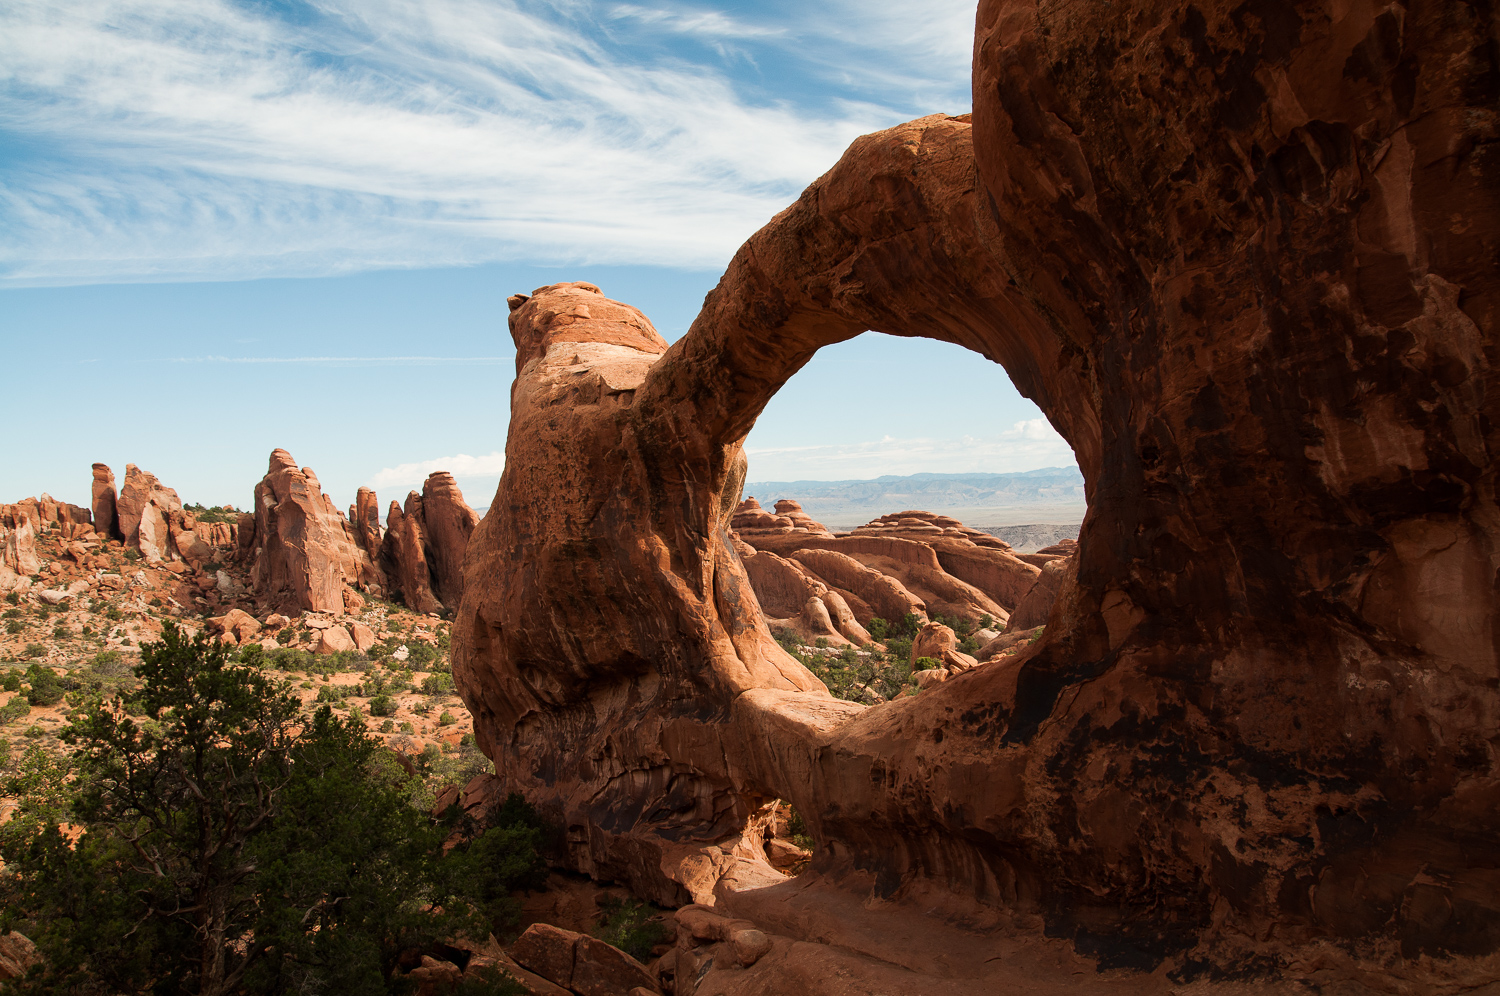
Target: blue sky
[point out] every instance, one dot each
(230, 226)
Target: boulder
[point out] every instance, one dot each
(106, 520)
(547, 951)
(235, 627)
(333, 640)
(362, 635)
(601, 969)
(17, 955)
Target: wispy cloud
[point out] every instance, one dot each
(1025, 446)
(353, 361)
(157, 139)
(710, 24)
(471, 471)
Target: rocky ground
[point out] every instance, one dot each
(92, 604)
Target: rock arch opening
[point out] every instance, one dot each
(1274, 666)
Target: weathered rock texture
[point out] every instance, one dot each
(18, 560)
(1244, 258)
(106, 521)
(306, 553)
(423, 550)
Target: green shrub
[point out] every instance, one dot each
(878, 629)
(423, 656)
(286, 635)
(383, 705)
(13, 598)
(330, 693)
(437, 684)
(630, 925)
(34, 732)
(132, 555)
(17, 708)
(113, 614)
(35, 650)
(46, 688)
(446, 719)
(13, 627)
(387, 726)
(156, 602)
(333, 874)
(289, 659)
(406, 726)
(252, 655)
(796, 828)
(61, 633)
(11, 682)
(11, 614)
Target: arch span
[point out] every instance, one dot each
(1264, 708)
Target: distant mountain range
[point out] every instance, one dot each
(1048, 495)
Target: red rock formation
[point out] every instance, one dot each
(447, 523)
(404, 557)
(791, 596)
(1243, 259)
(305, 552)
(423, 550)
(145, 508)
(365, 516)
(937, 563)
(18, 560)
(106, 522)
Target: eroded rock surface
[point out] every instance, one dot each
(1244, 260)
(306, 554)
(423, 550)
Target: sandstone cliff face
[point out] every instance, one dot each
(423, 550)
(1244, 261)
(306, 553)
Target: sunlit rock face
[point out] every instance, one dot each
(1244, 258)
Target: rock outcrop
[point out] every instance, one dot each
(423, 549)
(1243, 259)
(104, 496)
(306, 554)
(18, 559)
(146, 508)
(909, 562)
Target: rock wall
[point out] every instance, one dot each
(1243, 257)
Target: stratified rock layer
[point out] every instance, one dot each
(1244, 259)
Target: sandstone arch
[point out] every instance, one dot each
(1265, 708)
